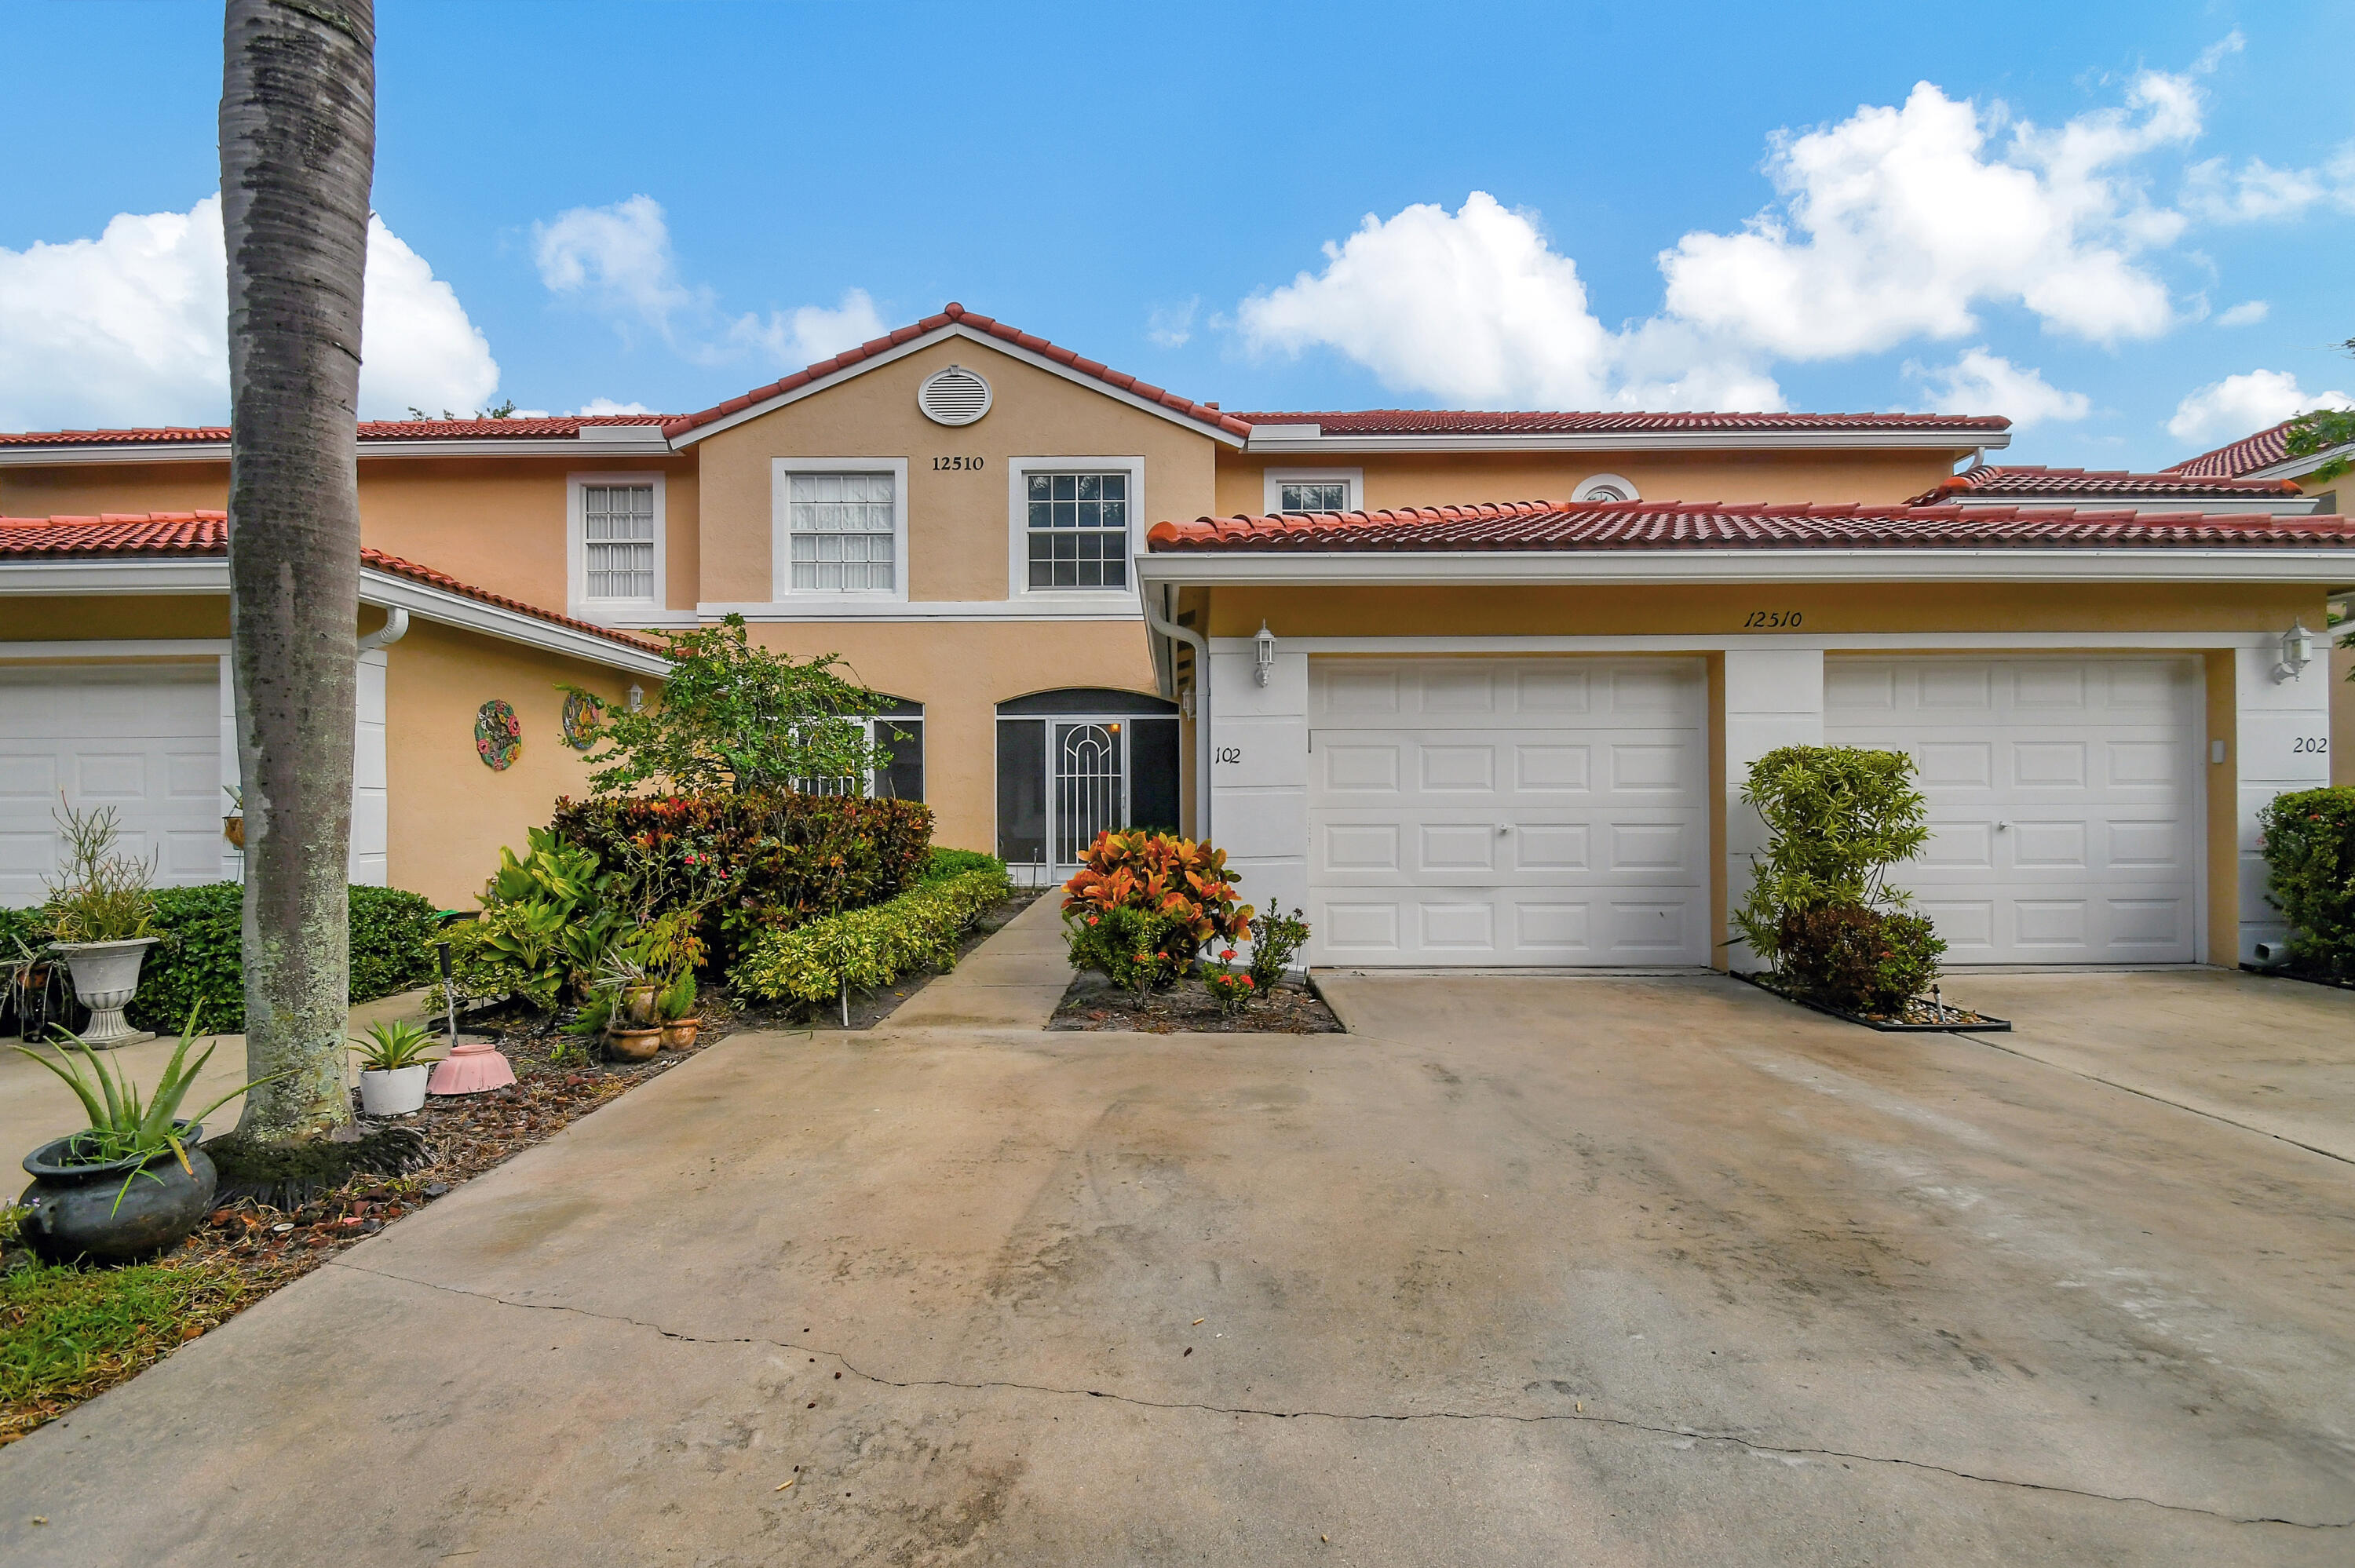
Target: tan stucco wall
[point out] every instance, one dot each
(449, 812)
(959, 523)
(1431, 479)
(961, 671)
(80, 489)
(76, 617)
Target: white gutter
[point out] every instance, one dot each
(29, 456)
(395, 627)
(1310, 438)
(1165, 627)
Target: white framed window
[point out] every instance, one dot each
(1605, 487)
(1075, 525)
(615, 541)
(840, 528)
(1313, 490)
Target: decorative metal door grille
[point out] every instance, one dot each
(1087, 787)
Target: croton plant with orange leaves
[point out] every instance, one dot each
(1179, 880)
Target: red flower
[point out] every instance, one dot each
(1228, 955)
(1245, 979)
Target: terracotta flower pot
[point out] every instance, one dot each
(638, 1004)
(233, 829)
(679, 1032)
(633, 1044)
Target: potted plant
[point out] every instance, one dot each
(101, 914)
(233, 820)
(673, 1008)
(632, 1033)
(134, 1182)
(394, 1067)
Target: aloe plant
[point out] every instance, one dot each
(123, 1125)
(392, 1045)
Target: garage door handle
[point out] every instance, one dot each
(2002, 827)
(1504, 827)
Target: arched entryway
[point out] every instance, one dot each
(1074, 762)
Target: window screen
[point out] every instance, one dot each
(1022, 791)
(903, 778)
(1153, 774)
(839, 528)
(618, 538)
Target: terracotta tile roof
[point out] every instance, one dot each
(148, 536)
(2264, 449)
(2025, 480)
(566, 428)
(1648, 526)
(1205, 413)
(1459, 422)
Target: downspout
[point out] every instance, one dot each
(395, 627)
(1163, 626)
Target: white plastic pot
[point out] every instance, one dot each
(106, 977)
(397, 1093)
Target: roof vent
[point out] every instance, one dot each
(954, 396)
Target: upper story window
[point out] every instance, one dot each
(615, 556)
(840, 530)
(1077, 525)
(1313, 490)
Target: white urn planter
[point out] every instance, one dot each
(106, 977)
(395, 1093)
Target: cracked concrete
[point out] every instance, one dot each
(1528, 1271)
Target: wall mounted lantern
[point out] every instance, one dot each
(2298, 652)
(638, 697)
(1264, 646)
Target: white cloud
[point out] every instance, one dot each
(1476, 307)
(1170, 326)
(1984, 383)
(599, 406)
(2256, 191)
(2242, 404)
(804, 336)
(616, 258)
(131, 328)
(2248, 312)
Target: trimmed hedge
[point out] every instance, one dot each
(788, 858)
(392, 933)
(2309, 845)
(947, 863)
(863, 948)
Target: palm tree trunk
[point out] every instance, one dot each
(298, 150)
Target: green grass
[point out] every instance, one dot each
(66, 1334)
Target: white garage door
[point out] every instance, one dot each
(1507, 811)
(2063, 798)
(143, 738)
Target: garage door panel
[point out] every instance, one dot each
(1363, 768)
(1556, 847)
(1454, 769)
(2062, 796)
(28, 778)
(1457, 846)
(1553, 768)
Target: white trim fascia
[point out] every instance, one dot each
(2299, 467)
(1086, 607)
(1273, 481)
(121, 648)
(1559, 567)
(576, 547)
(197, 574)
(2283, 505)
(29, 456)
(387, 592)
(781, 564)
(941, 335)
(1019, 590)
(1730, 643)
(1281, 439)
(641, 620)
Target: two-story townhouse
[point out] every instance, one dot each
(1479, 687)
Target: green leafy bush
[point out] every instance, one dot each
(1276, 940)
(2309, 846)
(758, 861)
(1137, 949)
(863, 948)
(1837, 817)
(200, 959)
(943, 863)
(1859, 960)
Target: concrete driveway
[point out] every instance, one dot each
(1526, 1271)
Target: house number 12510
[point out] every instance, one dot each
(944, 464)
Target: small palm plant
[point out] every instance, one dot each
(121, 1125)
(393, 1044)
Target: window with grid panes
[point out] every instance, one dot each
(618, 541)
(1315, 496)
(1079, 530)
(839, 532)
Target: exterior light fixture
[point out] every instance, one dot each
(2298, 652)
(1264, 648)
(638, 697)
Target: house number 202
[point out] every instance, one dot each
(1226, 754)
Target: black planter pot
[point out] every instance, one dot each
(85, 1213)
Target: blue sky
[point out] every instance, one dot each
(661, 205)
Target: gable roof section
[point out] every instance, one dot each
(2063, 486)
(2234, 459)
(1652, 526)
(128, 537)
(955, 320)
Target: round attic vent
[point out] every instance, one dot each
(954, 396)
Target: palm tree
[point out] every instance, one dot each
(298, 150)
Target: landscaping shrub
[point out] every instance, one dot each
(1839, 818)
(201, 959)
(1859, 960)
(1276, 940)
(767, 860)
(2309, 846)
(1152, 899)
(862, 949)
(943, 863)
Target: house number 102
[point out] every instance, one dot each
(1226, 754)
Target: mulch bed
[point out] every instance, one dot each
(246, 1249)
(1093, 1004)
(1919, 1015)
